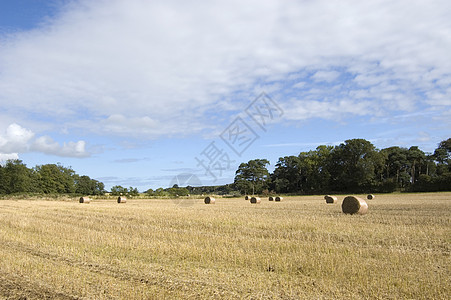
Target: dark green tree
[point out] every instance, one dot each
(314, 165)
(252, 177)
(133, 191)
(443, 156)
(87, 186)
(118, 190)
(354, 166)
(416, 159)
(396, 166)
(55, 179)
(287, 175)
(15, 177)
(176, 191)
(159, 192)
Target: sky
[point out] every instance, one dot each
(146, 94)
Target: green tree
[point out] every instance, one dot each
(396, 166)
(54, 178)
(161, 192)
(443, 156)
(354, 166)
(416, 159)
(252, 176)
(15, 177)
(87, 186)
(133, 191)
(315, 175)
(118, 190)
(177, 191)
(286, 177)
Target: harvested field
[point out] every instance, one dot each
(155, 249)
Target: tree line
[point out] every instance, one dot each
(355, 166)
(177, 191)
(16, 177)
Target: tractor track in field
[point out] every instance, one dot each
(19, 287)
(158, 278)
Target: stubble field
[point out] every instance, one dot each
(300, 248)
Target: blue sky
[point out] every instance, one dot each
(136, 92)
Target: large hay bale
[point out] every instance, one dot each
(121, 199)
(271, 198)
(331, 199)
(370, 197)
(278, 199)
(209, 200)
(85, 200)
(256, 200)
(246, 198)
(354, 205)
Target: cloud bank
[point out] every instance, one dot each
(149, 69)
(17, 140)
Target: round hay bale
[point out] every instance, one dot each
(354, 205)
(209, 200)
(370, 197)
(121, 199)
(85, 200)
(278, 199)
(331, 199)
(271, 198)
(246, 198)
(256, 200)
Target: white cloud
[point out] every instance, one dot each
(439, 98)
(119, 124)
(299, 85)
(327, 76)
(5, 157)
(334, 110)
(424, 137)
(16, 139)
(146, 69)
(19, 140)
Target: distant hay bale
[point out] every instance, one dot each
(370, 197)
(271, 198)
(209, 200)
(278, 199)
(331, 199)
(85, 200)
(121, 199)
(246, 198)
(354, 205)
(256, 200)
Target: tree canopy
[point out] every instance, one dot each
(252, 177)
(355, 166)
(16, 177)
